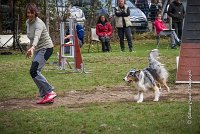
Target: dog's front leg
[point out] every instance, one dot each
(157, 93)
(141, 86)
(140, 97)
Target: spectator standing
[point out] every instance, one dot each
(104, 31)
(123, 24)
(160, 4)
(177, 12)
(153, 11)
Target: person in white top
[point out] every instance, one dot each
(41, 49)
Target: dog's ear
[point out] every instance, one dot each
(137, 74)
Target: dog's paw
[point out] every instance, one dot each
(139, 101)
(136, 97)
(155, 100)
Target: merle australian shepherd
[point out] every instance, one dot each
(152, 77)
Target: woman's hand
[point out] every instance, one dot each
(102, 35)
(68, 36)
(29, 53)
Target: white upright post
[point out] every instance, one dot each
(71, 31)
(61, 43)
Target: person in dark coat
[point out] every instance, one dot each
(143, 6)
(177, 12)
(153, 10)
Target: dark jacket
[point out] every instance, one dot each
(153, 11)
(176, 11)
(143, 6)
(80, 32)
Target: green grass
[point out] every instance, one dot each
(117, 118)
(107, 69)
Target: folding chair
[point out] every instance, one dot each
(158, 39)
(94, 38)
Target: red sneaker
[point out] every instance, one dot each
(50, 102)
(49, 97)
(41, 101)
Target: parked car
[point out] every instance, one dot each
(138, 18)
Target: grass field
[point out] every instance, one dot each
(107, 70)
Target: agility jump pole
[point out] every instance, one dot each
(75, 53)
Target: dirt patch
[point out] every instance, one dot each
(102, 95)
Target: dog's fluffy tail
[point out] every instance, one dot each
(164, 74)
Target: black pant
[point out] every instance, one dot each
(105, 42)
(178, 26)
(127, 32)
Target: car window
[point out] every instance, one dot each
(135, 12)
(130, 4)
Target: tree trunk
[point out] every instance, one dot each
(46, 3)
